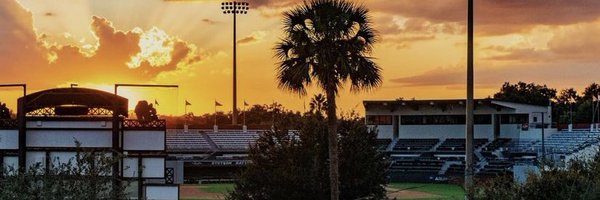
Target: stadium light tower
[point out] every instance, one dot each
(470, 119)
(234, 8)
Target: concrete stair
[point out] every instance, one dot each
(392, 145)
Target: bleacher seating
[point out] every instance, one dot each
(382, 144)
(408, 156)
(522, 145)
(455, 145)
(178, 141)
(496, 144)
(567, 143)
(456, 169)
(496, 167)
(415, 145)
(417, 165)
(233, 140)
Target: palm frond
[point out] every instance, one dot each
(328, 42)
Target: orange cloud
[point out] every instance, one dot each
(494, 17)
(255, 37)
(26, 57)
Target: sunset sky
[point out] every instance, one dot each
(421, 48)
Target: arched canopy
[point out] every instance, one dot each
(66, 101)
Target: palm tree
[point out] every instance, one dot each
(318, 104)
(328, 42)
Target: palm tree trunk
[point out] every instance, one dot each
(333, 143)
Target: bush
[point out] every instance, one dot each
(294, 165)
(579, 180)
(87, 176)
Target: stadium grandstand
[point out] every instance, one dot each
(53, 126)
(421, 138)
(427, 137)
(208, 155)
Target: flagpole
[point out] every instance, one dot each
(185, 114)
(215, 112)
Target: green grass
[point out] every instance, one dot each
(447, 191)
(196, 199)
(219, 188)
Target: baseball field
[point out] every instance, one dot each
(406, 191)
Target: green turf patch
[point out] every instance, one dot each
(219, 188)
(447, 191)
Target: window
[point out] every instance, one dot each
(514, 118)
(379, 119)
(442, 119)
(483, 119)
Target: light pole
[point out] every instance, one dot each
(469, 118)
(570, 114)
(543, 138)
(234, 8)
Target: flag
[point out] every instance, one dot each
(218, 104)
(155, 102)
(187, 103)
(246, 104)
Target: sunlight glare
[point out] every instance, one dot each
(156, 47)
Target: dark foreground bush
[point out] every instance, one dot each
(87, 176)
(295, 166)
(579, 180)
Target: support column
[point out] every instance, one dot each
(396, 126)
(116, 147)
(22, 133)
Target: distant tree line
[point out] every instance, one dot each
(563, 102)
(256, 116)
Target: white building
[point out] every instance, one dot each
(446, 119)
(50, 121)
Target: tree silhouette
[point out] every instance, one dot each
(327, 42)
(592, 91)
(145, 112)
(4, 111)
(565, 101)
(318, 104)
(526, 93)
(293, 165)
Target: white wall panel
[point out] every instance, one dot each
(34, 157)
(69, 124)
(130, 167)
(144, 140)
(162, 192)
(66, 138)
(384, 131)
(59, 158)
(153, 167)
(11, 162)
(9, 139)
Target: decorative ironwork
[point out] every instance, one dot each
(9, 124)
(169, 175)
(155, 124)
(51, 111)
(42, 112)
(99, 112)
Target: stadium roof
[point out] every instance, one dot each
(433, 102)
(74, 97)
